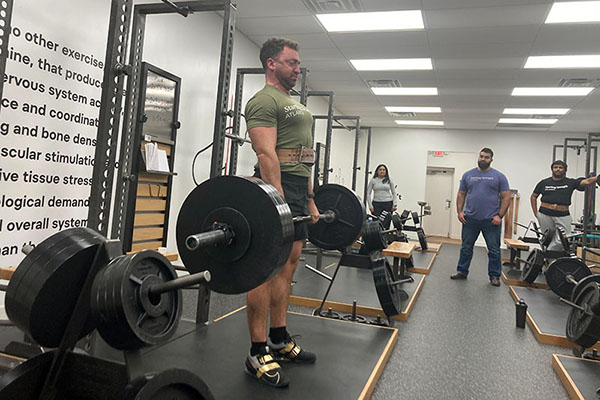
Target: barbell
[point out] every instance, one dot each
(241, 229)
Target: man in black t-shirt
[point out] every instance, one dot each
(556, 194)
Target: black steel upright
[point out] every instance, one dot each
(110, 116)
(329, 118)
(356, 128)
(367, 163)
(6, 7)
(216, 161)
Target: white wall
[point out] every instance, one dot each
(523, 156)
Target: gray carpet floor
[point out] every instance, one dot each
(460, 341)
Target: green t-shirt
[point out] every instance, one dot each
(270, 107)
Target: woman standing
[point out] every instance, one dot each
(384, 194)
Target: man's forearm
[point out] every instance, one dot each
(504, 206)
(533, 201)
(270, 171)
(460, 202)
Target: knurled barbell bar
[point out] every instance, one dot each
(241, 229)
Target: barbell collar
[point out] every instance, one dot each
(222, 234)
(179, 283)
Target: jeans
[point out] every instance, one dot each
(547, 222)
(491, 234)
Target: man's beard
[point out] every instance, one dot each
(483, 164)
(558, 175)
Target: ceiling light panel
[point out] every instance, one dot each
(551, 91)
(533, 121)
(576, 11)
(587, 61)
(404, 91)
(393, 64)
(372, 21)
(536, 111)
(412, 122)
(413, 109)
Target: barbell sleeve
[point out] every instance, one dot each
(577, 306)
(180, 283)
(222, 235)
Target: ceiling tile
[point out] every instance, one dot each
(278, 26)
(502, 34)
(270, 8)
(486, 17)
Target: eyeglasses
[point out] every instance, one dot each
(292, 63)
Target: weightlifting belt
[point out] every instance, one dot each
(557, 207)
(304, 156)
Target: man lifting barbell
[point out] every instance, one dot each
(281, 132)
(556, 192)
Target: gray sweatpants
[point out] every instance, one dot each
(546, 222)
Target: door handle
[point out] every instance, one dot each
(448, 204)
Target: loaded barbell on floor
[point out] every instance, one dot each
(566, 276)
(583, 322)
(241, 229)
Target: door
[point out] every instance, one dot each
(438, 193)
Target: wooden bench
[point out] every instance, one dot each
(401, 251)
(515, 246)
(7, 273)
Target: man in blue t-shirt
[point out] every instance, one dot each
(487, 196)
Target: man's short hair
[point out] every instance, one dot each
(272, 47)
(559, 162)
(487, 150)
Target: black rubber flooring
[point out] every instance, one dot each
(514, 274)
(347, 355)
(421, 259)
(584, 373)
(545, 308)
(351, 284)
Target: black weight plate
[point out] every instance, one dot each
(562, 235)
(389, 295)
(25, 381)
(422, 238)
(42, 298)
(372, 236)
(415, 217)
(397, 221)
(559, 269)
(271, 232)
(404, 215)
(533, 266)
(347, 226)
(547, 237)
(582, 283)
(582, 328)
(127, 317)
(173, 383)
(39, 256)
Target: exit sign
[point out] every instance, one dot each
(438, 154)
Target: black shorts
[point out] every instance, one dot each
(295, 189)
